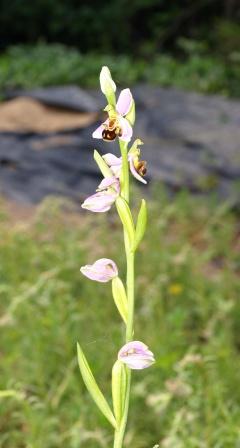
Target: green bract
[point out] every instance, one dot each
(126, 218)
(93, 388)
(102, 165)
(141, 224)
(120, 298)
(119, 384)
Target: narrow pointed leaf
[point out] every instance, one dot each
(8, 393)
(93, 388)
(102, 165)
(119, 385)
(120, 298)
(126, 218)
(141, 224)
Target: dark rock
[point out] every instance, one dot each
(190, 141)
(66, 97)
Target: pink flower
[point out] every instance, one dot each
(115, 163)
(136, 355)
(107, 193)
(137, 167)
(109, 182)
(102, 270)
(117, 125)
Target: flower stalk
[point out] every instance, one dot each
(114, 188)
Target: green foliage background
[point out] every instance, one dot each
(187, 310)
(118, 26)
(189, 45)
(188, 267)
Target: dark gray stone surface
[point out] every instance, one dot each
(190, 140)
(66, 97)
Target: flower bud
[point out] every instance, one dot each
(103, 270)
(136, 355)
(108, 86)
(100, 202)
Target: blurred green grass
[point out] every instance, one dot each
(29, 66)
(187, 311)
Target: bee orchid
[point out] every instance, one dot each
(117, 124)
(114, 187)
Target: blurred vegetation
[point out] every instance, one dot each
(190, 45)
(46, 65)
(139, 27)
(187, 310)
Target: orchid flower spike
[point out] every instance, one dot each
(107, 193)
(103, 270)
(136, 355)
(117, 124)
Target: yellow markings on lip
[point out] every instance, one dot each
(140, 166)
(112, 129)
(131, 351)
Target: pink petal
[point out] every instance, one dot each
(124, 102)
(134, 171)
(116, 170)
(126, 129)
(102, 270)
(112, 160)
(136, 355)
(98, 132)
(138, 346)
(115, 163)
(99, 202)
(109, 182)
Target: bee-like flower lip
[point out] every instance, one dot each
(124, 129)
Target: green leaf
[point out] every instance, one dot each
(8, 393)
(119, 385)
(104, 168)
(126, 218)
(120, 297)
(141, 224)
(93, 388)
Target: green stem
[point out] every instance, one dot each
(130, 295)
(119, 434)
(125, 171)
